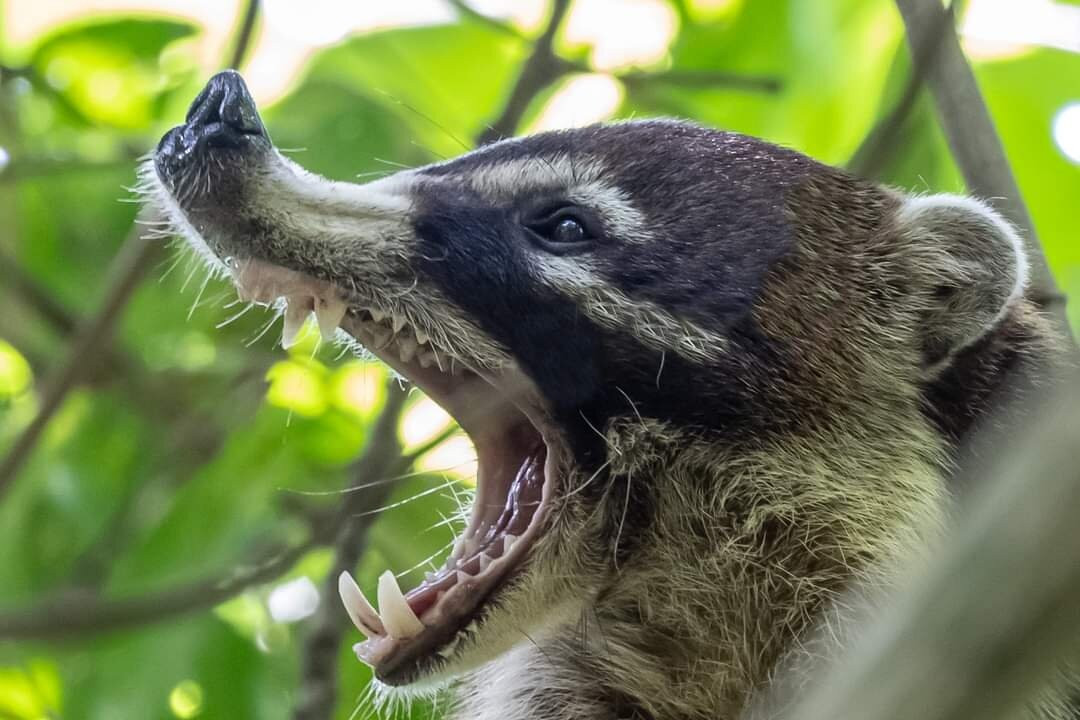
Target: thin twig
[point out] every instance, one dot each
(700, 79)
(244, 34)
(541, 69)
(36, 295)
(76, 614)
(318, 690)
(136, 257)
(974, 142)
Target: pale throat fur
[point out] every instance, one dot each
(711, 382)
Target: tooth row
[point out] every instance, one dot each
(413, 344)
(329, 312)
(394, 617)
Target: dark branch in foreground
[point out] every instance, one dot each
(986, 627)
(317, 693)
(541, 69)
(974, 142)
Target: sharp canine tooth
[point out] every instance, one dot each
(398, 618)
(328, 313)
(360, 611)
(397, 322)
(508, 542)
(422, 337)
(407, 348)
(382, 336)
(377, 315)
(297, 309)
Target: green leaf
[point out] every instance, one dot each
(109, 70)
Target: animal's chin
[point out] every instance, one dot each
(414, 634)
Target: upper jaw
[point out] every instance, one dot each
(340, 274)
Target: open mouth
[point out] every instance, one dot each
(412, 632)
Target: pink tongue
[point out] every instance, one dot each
(522, 500)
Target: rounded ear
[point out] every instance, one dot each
(971, 268)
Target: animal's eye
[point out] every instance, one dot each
(565, 229)
(568, 230)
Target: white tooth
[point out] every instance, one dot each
(397, 322)
(360, 611)
(328, 313)
(459, 548)
(382, 336)
(397, 616)
(297, 309)
(407, 348)
(508, 542)
(377, 315)
(462, 577)
(422, 337)
(485, 560)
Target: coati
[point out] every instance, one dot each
(711, 383)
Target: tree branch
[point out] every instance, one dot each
(135, 259)
(244, 34)
(541, 69)
(699, 79)
(317, 694)
(881, 141)
(974, 142)
(75, 614)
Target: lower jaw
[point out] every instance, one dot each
(452, 603)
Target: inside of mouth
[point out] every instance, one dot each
(511, 459)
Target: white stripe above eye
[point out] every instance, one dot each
(584, 181)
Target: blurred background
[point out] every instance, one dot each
(175, 489)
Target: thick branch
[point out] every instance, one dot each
(973, 140)
(319, 687)
(985, 628)
(541, 69)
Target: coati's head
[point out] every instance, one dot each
(579, 301)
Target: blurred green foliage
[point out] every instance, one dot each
(191, 445)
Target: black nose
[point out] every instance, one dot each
(225, 107)
(223, 115)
